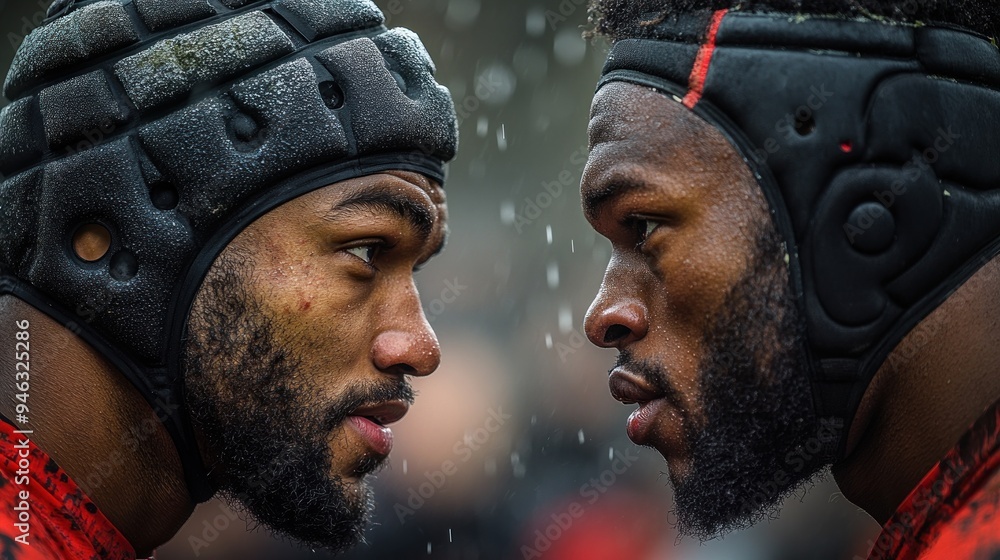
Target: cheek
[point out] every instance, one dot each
(703, 260)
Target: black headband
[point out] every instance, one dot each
(876, 146)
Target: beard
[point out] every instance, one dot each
(265, 426)
(757, 437)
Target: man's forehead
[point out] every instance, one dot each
(640, 124)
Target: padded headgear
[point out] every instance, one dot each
(176, 123)
(876, 146)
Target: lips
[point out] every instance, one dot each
(371, 422)
(630, 389)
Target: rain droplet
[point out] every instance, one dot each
(611, 453)
(580, 437)
(553, 275)
(508, 212)
(572, 246)
(570, 48)
(548, 234)
(449, 534)
(404, 466)
(482, 127)
(535, 22)
(520, 470)
(495, 84)
(501, 139)
(428, 547)
(461, 13)
(534, 419)
(565, 319)
(548, 342)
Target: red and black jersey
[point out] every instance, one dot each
(954, 514)
(57, 521)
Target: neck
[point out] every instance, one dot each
(933, 387)
(90, 420)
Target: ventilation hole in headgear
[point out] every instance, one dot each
(91, 242)
(333, 96)
(399, 80)
(164, 196)
(805, 126)
(124, 265)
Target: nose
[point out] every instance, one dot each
(616, 319)
(408, 345)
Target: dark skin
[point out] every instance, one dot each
(341, 256)
(679, 205)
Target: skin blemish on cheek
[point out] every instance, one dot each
(305, 305)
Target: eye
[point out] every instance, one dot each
(644, 228)
(366, 253)
(650, 228)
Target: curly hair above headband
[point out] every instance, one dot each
(624, 19)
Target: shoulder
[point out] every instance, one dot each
(973, 531)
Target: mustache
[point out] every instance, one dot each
(365, 395)
(653, 374)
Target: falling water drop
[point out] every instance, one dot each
(548, 341)
(580, 437)
(404, 466)
(565, 319)
(553, 275)
(548, 234)
(535, 22)
(508, 212)
(611, 453)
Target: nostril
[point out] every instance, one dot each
(615, 333)
(407, 369)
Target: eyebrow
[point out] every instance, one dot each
(595, 199)
(418, 215)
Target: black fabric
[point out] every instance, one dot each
(876, 147)
(174, 124)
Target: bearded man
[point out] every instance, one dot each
(804, 210)
(211, 218)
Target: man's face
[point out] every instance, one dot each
(300, 343)
(696, 299)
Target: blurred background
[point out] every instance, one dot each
(516, 434)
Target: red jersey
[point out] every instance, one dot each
(43, 514)
(954, 514)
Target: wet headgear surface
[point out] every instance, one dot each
(174, 124)
(876, 145)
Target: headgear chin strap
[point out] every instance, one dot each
(876, 146)
(176, 123)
